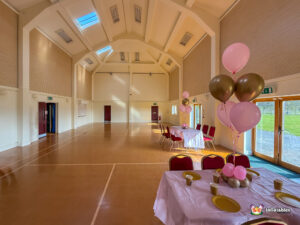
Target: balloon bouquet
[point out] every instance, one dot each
(242, 116)
(185, 106)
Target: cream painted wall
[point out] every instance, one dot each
(150, 88)
(119, 111)
(173, 119)
(8, 117)
(82, 120)
(174, 84)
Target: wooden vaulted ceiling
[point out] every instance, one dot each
(156, 37)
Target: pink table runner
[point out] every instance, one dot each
(178, 204)
(192, 138)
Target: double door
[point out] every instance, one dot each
(277, 136)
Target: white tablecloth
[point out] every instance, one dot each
(192, 138)
(178, 204)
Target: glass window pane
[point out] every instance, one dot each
(291, 132)
(265, 129)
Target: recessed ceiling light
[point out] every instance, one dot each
(122, 56)
(186, 38)
(89, 61)
(137, 56)
(114, 13)
(64, 35)
(138, 13)
(105, 49)
(87, 20)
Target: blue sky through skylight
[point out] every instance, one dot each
(87, 20)
(105, 49)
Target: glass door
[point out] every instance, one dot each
(264, 131)
(290, 134)
(276, 137)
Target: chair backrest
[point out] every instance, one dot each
(198, 126)
(205, 129)
(240, 159)
(181, 162)
(212, 161)
(212, 131)
(168, 130)
(161, 129)
(265, 221)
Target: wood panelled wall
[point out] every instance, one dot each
(50, 67)
(174, 84)
(8, 46)
(197, 69)
(84, 83)
(271, 30)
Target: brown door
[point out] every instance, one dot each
(42, 118)
(154, 113)
(107, 113)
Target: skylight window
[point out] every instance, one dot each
(87, 20)
(105, 49)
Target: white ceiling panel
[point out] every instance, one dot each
(215, 7)
(50, 23)
(23, 4)
(188, 25)
(164, 21)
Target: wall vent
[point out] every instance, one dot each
(114, 13)
(89, 61)
(138, 13)
(137, 56)
(186, 38)
(169, 62)
(122, 56)
(64, 35)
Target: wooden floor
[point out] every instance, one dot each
(100, 174)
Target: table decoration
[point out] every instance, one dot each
(288, 199)
(225, 203)
(195, 176)
(214, 188)
(278, 184)
(189, 179)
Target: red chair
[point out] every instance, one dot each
(166, 135)
(240, 159)
(205, 130)
(265, 221)
(181, 162)
(211, 135)
(212, 161)
(175, 139)
(198, 126)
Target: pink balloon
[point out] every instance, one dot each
(188, 109)
(244, 116)
(223, 113)
(240, 172)
(182, 108)
(235, 57)
(185, 94)
(228, 169)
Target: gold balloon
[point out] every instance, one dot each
(221, 87)
(185, 101)
(249, 86)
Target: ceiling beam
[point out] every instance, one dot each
(103, 62)
(103, 19)
(155, 61)
(175, 30)
(128, 15)
(189, 3)
(150, 18)
(206, 20)
(137, 41)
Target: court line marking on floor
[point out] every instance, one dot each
(96, 164)
(102, 195)
(28, 163)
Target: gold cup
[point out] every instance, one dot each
(216, 178)
(214, 188)
(249, 176)
(189, 180)
(278, 184)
